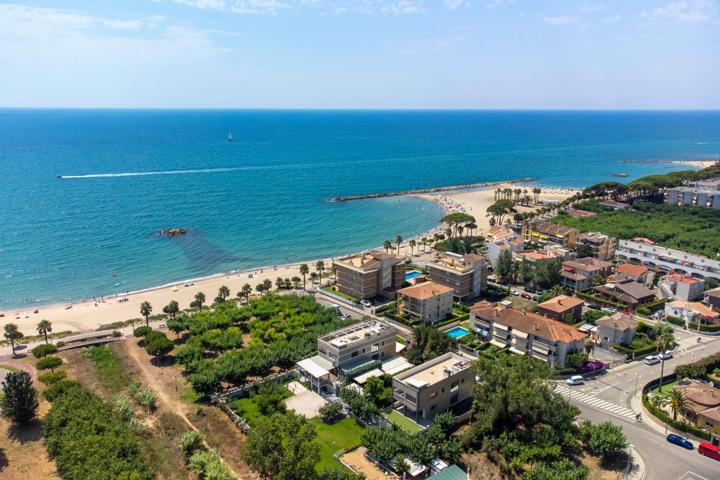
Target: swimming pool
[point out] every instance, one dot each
(457, 332)
(410, 275)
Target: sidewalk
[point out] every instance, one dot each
(637, 469)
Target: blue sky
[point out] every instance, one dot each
(591, 54)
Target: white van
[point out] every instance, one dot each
(575, 380)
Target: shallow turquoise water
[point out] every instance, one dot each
(264, 197)
(457, 332)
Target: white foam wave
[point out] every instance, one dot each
(143, 174)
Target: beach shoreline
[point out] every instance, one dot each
(87, 314)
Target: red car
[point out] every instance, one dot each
(709, 450)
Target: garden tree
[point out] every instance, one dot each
(552, 293)
(546, 273)
(267, 283)
(13, 334)
(331, 412)
(576, 359)
(304, 270)
(599, 280)
(145, 311)
(44, 350)
(158, 345)
(384, 443)
(18, 402)
(525, 272)
(279, 283)
(398, 241)
(711, 283)
(665, 339)
(676, 401)
(296, 280)
(420, 449)
(358, 404)
(456, 219)
(503, 268)
(378, 390)
(172, 309)
(605, 440)
(387, 245)
(260, 287)
(50, 363)
(334, 271)
(190, 442)
(270, 398)
(199, 300)
(400, 465)
(319, 267)
(427, 344)
(282, 447)
(692, 370)
(223, 292)
(43, 328)
(564, 469)
(499, 209)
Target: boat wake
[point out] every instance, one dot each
(144, 174)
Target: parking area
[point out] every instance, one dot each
(304, 402)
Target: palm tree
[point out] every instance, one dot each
(245, 291)
(334, 270)
(412, 244)
(280, 283)
(460, 229)
(498, 193)
(424, 242)
(260, 288)
(304, 270)
(676, 401)
(664, 341)
(224, 292)
(43, 328)
(517, 193)
(12, 333)
(172, 309)
(471, 227)
(145, 311)
(267, 283)
(398, 240)
(295, 281)
(199, 300)
(536, 193)
(388, 245)
(320, 266)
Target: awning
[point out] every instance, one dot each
(515, 350)
(520, 334)
(497, 344)
(541, 350)
(500, 326)
(361, 379)
(314, 367)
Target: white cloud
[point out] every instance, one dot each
(454, 4)
(324, 7)
(592, 7)
(203, 4)
(685, 11)
(562, 20)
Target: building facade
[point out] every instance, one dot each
(526, 333)
(680, 287)
(617, 328)
(465, 274)
(666, 259)
(429, 302)
(543, 232)
(580, 274)
(562, 308)
(435, 386)
(356, 344)
(370, 274)
(703, 193)
(599, 245)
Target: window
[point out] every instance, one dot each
(354, 354)
(433, 395)
(374, 348)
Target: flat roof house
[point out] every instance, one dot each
(600, 245)
(465, 274)
(526, 333)
(579, 274)
(429, 302)
(543, 232)
(562, 308)
(617, 328)
(680, 287)
(368, 275)
(645, 252)
(434, 387)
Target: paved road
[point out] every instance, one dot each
(610, 398)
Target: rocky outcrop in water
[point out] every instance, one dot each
(173, 232)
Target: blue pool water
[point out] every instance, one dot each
(410, 275)
(457, 332)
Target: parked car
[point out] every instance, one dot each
(514, 292)
(526, 295)
(680, 441)
(593, 306)
(658, 315)
(365, 303)
(709, 450)
(575, 380)
(651, 360)
(666, 355)
(611, 309)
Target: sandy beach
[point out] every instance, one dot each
(88, 315)
(695, 163)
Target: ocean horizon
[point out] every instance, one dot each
(263, 198)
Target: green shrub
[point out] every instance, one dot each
(208, 465)
(142, 331)
(51, 378)
(51, 363)
(331, 412)
(190, 442)
(44, 350)
(122, 407)
(145, 397)
(603, 439)
(60, 388)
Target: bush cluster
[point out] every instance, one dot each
(44, 350)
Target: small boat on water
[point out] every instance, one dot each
(619, 175)
(230, 137)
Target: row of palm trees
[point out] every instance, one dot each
(521, 195)
(13, 333)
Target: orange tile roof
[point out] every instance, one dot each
(561, 304)
(534, 255)
(529, 323)
(425, 290)
(680, 278)
(631, 270)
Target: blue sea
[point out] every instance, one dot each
(263, 198)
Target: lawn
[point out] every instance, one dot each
(340, 294)
(333, 437)
(109, 368)
(402, 421)
(666, 388)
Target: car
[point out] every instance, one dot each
(680, 441)
(514, 292)
(651, 360)
(593, 306)
(658, 315)
(575, 380)
(611, 309)
(667, 355)
(526, 295)
(709, 450)
(365, 303)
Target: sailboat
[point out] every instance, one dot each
(230, 137)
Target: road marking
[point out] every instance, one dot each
(692, 476)
(612, 408)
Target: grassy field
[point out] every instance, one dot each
(666, 388)
(402, 421)
(110, 371)
(340, 435)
